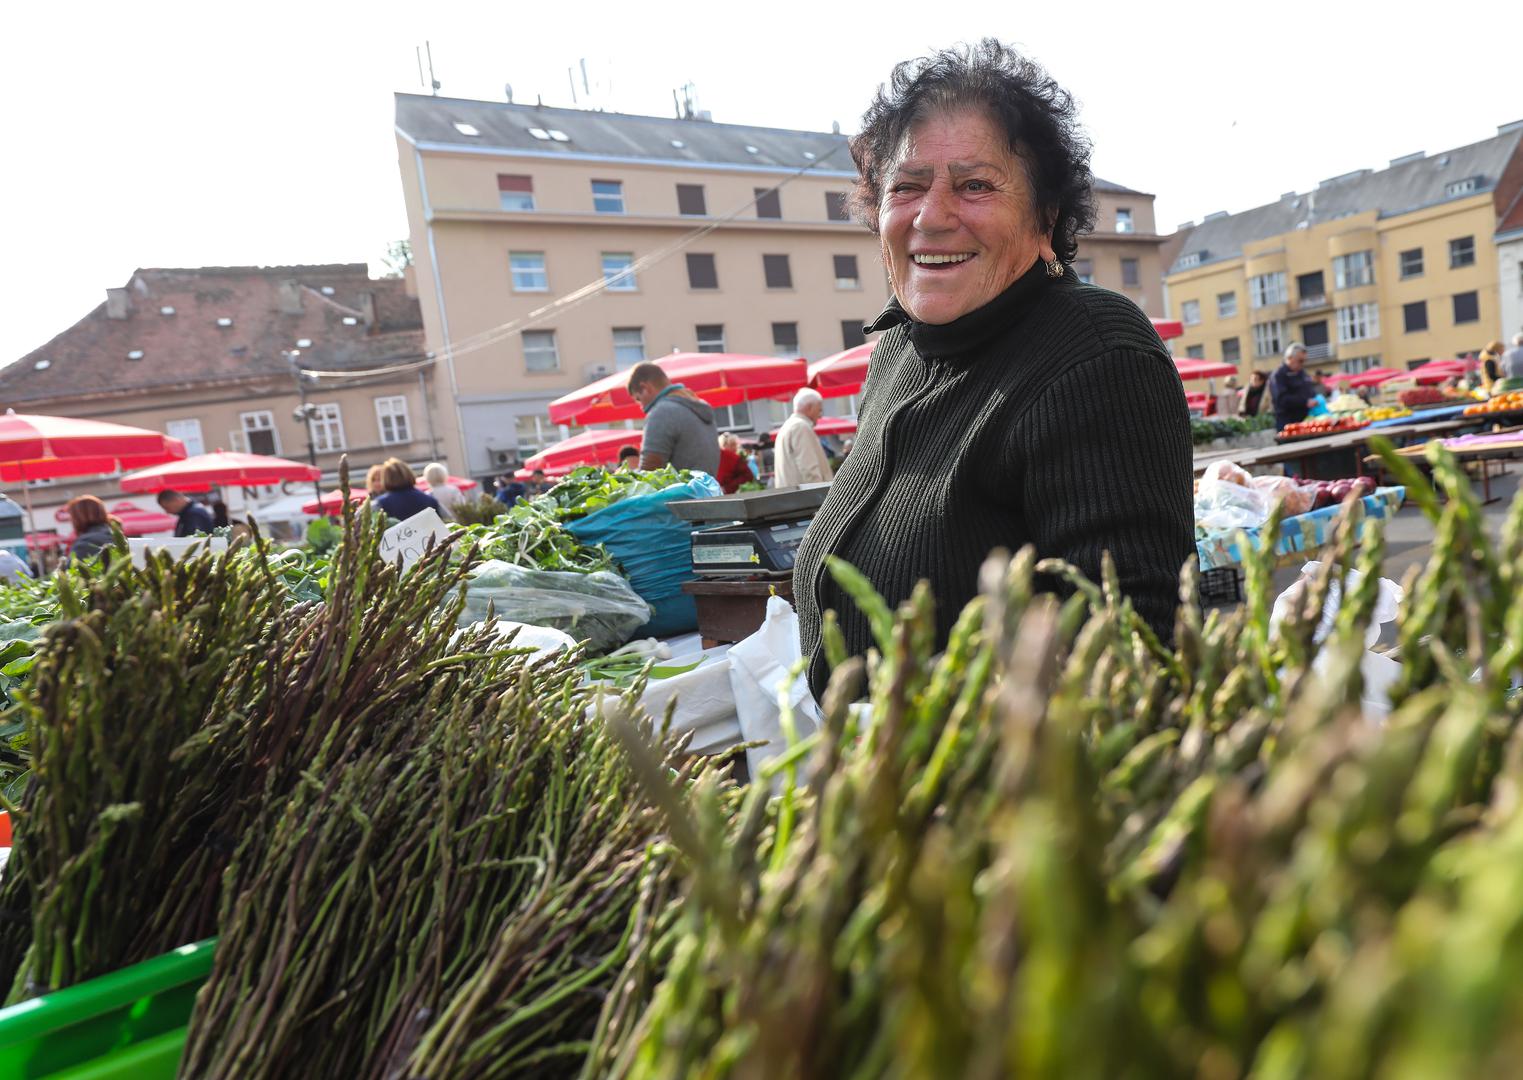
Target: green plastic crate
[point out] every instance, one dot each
(129, 1025)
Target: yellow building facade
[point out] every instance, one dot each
(1371, 269)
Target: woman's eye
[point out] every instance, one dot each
(977, 185)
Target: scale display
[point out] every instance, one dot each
(739, 548)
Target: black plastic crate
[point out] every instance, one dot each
(1224, 585)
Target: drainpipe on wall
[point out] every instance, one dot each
(428, 416)
(449, 352)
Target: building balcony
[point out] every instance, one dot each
(1319, 352)
(1312, 303)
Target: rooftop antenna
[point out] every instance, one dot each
(587, 90)
(507, 88)
(429, 48)
(571, 78)
(676, 105)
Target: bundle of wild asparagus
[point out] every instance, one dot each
(1060, 850)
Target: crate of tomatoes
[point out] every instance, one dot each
(1322, 425)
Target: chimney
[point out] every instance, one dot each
(118, 305)
(288, 297)
(367, 308)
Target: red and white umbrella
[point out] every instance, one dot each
(136, 521)
(599, 447)
(1437, 371)
(37, 447)
(224, 468)
(832, 425)
(1372, 377)
(1202, 369)
(843, 374)
(1169, 328)
(718, 378)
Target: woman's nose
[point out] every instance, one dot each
(937, 211)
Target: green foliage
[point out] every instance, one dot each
(1208, 430)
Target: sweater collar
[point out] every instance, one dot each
(967, 332)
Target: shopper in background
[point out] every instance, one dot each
(733, 470)
(1290, 389)
(509, 491)
(373, 483)
(445, 493)
(195, 519)
(92, 526)
(402, 499)
(1254, 395)
(12, 568)
(1228, 400)
(1511, 362)
(679, 428)
(800, 455)
(1491, 358)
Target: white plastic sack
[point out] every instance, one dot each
(1227, 499)
(1380, 672)
(760, 670)
(705, 703)
(542, 639)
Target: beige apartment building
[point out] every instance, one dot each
(206, 355)
(553, 247)
(1372, 268)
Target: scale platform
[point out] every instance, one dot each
(753, 535)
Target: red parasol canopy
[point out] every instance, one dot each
(841, 375)
(1436, 371)
(718, 378)
(1169, 328)
(225, 468)
(1372, 377)
(1196, 402)
(600, 447)
(332, 503)
(139, 522)
(36, 447)
(1202, 369)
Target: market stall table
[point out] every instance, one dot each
(1483, 449)
(1300, 535)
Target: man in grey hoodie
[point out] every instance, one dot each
(679, 428)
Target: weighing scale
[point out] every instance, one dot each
(754, 534)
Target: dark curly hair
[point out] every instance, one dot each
(1037, 115)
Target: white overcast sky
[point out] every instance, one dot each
(157, 134)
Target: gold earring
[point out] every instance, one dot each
(1055, 269)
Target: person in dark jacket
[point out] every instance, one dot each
(1291, 390)
(402, 499)
(1253, 394)
(195, 519)
(92, 528)
(1006, 403)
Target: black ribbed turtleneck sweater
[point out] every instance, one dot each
(1051, 416)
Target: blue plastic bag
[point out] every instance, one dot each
(655, 547)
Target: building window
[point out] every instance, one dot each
(618, 271)
(1414, 316)
(1461, 252)
(539, 351)
(608, 196)
(628, 346)
(189, 433)
(259, 434)
(1268, 337)
(1467, 307)
(710, 337)
(846, 272)
(1413, 365)
(777, 271)
(835, 206)
(1466, 186)
(1085, 268)
(529, 271)
(1354, 365)
(1131, 273)
(1358, 322)
(1310, 289)
(851, 333)
(1266, 289)
(391, 417)
(785, 339)
(769, 203)
(533, 434)
(1412, 263)
(515, 192)
(1353, 270)
(1189, 312)
(1232, 350)
(690, 200)
(327, 428)
(701, 273)
(1123, 220)
(1226, 305)
(1196, 352)
(735, 417)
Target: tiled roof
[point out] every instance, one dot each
(509, 127)
(1397, 189)
(189, 347)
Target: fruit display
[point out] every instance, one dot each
(1333, 492)
(1051, 845)
(1384, 412)
(1423, 395)
(1512, 401)
(1322, 425)
(1346, 403)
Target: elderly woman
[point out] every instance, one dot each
(1006, 403)
(444, 492)
(402, 499)
(733, 470)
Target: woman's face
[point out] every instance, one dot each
(957, 219)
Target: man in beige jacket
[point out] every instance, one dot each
(799, 458)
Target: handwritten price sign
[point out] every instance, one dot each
(410, 538)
